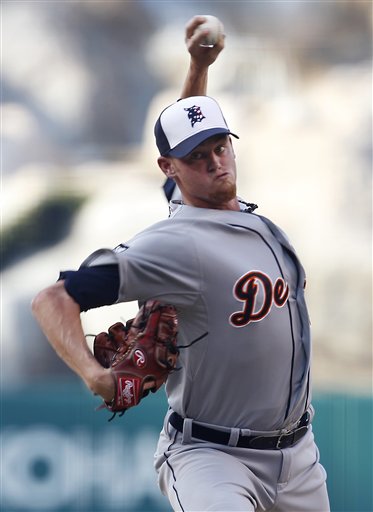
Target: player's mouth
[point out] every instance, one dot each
(224, 176)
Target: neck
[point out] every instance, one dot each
(232, 204)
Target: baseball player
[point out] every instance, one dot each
(238, 434)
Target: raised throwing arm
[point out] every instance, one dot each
(201, 58)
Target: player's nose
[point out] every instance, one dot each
(213, 162)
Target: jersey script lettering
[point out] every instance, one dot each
(246, 290)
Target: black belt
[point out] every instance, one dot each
(213, 435)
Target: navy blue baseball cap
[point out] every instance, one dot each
(185, 124)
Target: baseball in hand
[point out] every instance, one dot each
(215, 28)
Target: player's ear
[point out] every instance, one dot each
(166, 166)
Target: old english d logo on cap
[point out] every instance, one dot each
(187, 123)
(195, 114)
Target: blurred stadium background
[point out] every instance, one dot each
(82, 83)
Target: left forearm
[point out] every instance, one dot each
(59, 318)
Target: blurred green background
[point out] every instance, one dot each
(60, 454)
(81, 85)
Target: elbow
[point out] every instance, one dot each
(39, 301)
(47, 299)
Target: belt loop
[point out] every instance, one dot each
(187, 431)
(234, 436)
(166, 423)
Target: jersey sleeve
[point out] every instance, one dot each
(159, 263)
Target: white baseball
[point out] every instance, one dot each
(215, 28)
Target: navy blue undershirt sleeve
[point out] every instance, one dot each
(92, 287)
(168, 188)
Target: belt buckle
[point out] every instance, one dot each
(285, 436)
(278, 447)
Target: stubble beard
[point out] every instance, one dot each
(224, 194)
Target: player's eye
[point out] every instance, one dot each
(220, 149)
(196, 155)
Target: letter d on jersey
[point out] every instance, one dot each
(246, 290)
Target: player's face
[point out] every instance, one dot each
(206, 177)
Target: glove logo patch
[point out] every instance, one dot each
(128, 391)
(139, 358)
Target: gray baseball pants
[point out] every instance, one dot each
(200, 476)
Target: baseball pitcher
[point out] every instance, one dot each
(223, 323)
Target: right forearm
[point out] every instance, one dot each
(196, 81)
(201, 58)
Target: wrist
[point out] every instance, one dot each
(101, 382)
(197, 67)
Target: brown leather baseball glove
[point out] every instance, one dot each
(140, 354)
